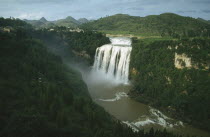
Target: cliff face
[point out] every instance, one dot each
(173, 73)
(134, 71)
(82, 54)
(182, 61)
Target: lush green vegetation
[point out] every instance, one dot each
(40, 96)
(82, 44)
(166, 24)
(86, 41)
(184, 93)
(13, 23)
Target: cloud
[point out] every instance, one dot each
(135, 8)
(56, 9)
(186, 11)
(35, 1)
(201, 1)
(206, 11)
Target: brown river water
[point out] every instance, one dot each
(114, 99)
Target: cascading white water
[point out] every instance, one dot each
(113, 59)
(121, 41)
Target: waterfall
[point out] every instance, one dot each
(113, 59)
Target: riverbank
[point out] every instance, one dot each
(169, 111)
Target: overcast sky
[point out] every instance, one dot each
(93, 9)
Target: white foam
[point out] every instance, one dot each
(143, 123)
(131, 125)
(158, 113)
(156, 117)
(179, 123)
(161, 119)
(120, 41)
(118, 96)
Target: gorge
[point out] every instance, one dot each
(63, 83)
(109, 85)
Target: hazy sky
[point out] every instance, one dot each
(93, 9)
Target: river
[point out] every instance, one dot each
(110, 92)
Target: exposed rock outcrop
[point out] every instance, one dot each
(182, 61)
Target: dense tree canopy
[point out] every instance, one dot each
(185, 93)
(41, 96)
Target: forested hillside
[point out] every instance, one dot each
(40, 96)
(167, 24)
(82, 44)
(175, 76)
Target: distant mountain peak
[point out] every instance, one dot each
(83, 20)
(43, 19)
(70, 18)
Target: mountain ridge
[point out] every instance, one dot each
(166, 24)
(43, 19)
(67, 22)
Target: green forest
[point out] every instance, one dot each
(79, 43)
(41, 96)
(182, 93)
(164, 25)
